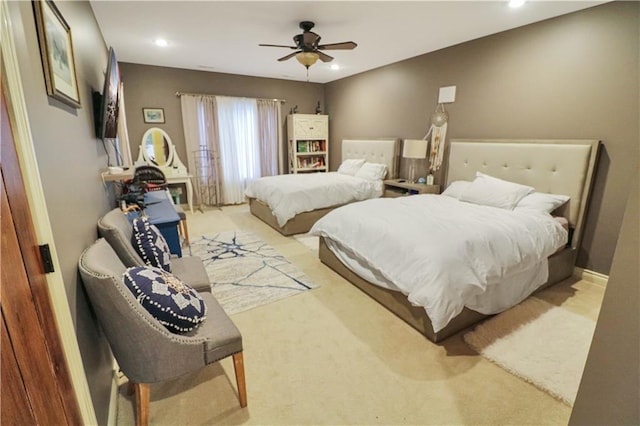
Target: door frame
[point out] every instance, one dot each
(16, 106)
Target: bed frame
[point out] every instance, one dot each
(552, 166)
(385, 151)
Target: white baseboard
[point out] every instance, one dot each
(591, 276)
(112, 419)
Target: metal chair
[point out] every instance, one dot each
(154, 175)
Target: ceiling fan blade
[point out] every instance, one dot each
(324, 57)
(345, 45)
(289, 56)
(278, 45)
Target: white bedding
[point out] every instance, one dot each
(445, 254)
(288, 195)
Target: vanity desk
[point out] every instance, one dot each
(157, 150)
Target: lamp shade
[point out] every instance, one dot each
(307, 58)
(414, 148)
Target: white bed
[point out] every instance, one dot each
(292, 203)
(436, 262)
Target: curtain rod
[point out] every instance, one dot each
(178, 94)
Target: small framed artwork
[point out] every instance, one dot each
(56, 51)
(153, 115)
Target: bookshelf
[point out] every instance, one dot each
(308, 136)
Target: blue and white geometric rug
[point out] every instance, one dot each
(245, 272)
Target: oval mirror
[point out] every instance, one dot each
(156, 146)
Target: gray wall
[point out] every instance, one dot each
(70, 159)
(149, 86)
(610, 388)
(571, 77)
(575, 76)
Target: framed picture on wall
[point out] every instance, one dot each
(56, 51)
(153, 115)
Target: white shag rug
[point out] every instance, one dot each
(245, 272)
(538, 342)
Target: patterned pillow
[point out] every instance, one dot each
(150, 244)
(175, 304)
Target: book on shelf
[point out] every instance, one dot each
(311, 146)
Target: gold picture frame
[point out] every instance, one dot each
(56, 51)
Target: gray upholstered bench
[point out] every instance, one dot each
(116, 229)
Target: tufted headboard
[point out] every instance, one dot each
(553, 166)
(385, 151)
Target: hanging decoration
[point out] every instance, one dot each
(438, 132)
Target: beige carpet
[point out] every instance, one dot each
(334, 356)
(310, 241)
(539, 342)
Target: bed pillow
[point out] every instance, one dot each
(351, 166)
(150, 244)
(542, 202)
(490, 191)
(175, 304)
(372, 171)
(456, 188)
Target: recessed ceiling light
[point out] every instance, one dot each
(335, 66)
(160, 42)
(516, 3)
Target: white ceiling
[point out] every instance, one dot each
(224, 36)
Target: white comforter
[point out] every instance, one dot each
(288, 195)
(445, 254)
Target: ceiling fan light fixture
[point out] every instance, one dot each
(307, 58)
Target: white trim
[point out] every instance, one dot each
(16, 105)
(591, 276)
(112, 419)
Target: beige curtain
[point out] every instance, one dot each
(269, 137)
(230, 141)
(123, 135)
(200, 123)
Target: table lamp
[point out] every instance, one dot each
(414, 149)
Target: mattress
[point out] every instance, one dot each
(444, 254)
(289, 195)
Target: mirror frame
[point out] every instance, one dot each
(168, 143)
(173, 165)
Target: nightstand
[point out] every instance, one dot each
(400, 187)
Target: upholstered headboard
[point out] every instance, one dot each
(552, 166)
(385, 151)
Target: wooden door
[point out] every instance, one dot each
(36, 386)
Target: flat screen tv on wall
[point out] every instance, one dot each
(106, 105)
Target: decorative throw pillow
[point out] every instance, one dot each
(542, 202)
(150, 244)
(490, 191)
(351, 166)
(175, 304)
(372, 171)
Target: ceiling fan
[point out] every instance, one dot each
(308, 47)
